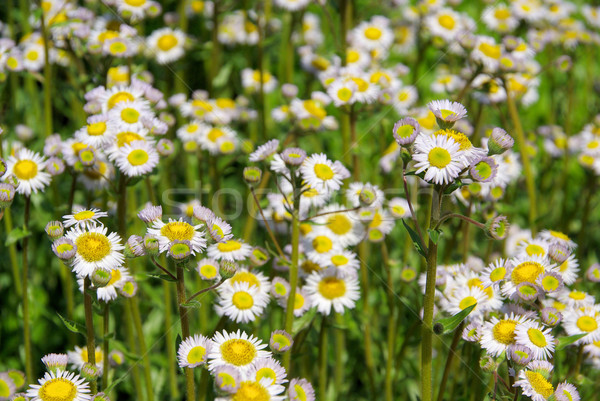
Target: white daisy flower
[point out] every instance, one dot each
(28, 167)
(267, 368)
(373, 35)
(166, 44)
(444, 23)
(61, 385)
(583, 320)
(84, 217)
(95, 249)
(129, 115)
(321, 173)
(137, 158)
(342, 92)
(440, 158)
(193, 351)
(264, 151)
(537, 338)
(292, 5)
(133, 9)
(231, 250)
(498, 334)
(462, 298)
(499, 18)
(178, 230)
(96, 133)
(344, 261)
(118, 277)
(494, 274)
(566, 392)
(343, 228)
(236, 349)
(534, 385)
(208, 269)
(210, 138)
(558, 237)
(525, 270)
(79, 357)
(399, 208)
(241, 302)
(302, 302)
(447, 111)
(259, 390)
(251, 81)
(254, 278)
(332, 291)
(109, 98)
(576, 298)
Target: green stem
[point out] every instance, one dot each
(25, 292)
(339, 354)
(366, 308)
(12, 252)
(391, 332)
(289, 312)
(47, 81)
(428, 303)
(89, 325)
(137, 321)
(132, 344)
(451, 352)
(105, 345)
(323, 343)
(174, 389)
(185, 330)
(514, 115)
(346, 136)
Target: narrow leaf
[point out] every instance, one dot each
(564, 341)
(16, 234)
(416, 240)
(450, 323)
(165, 277)
(72, 326)
(302, 322)
(192, 304)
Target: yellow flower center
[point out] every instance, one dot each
(339, 224)
(280, 289)
(587, 324)
(84, 355)
(399, 210)
(577, 295)
(361, 83)
(135, 3)
(339, 260)
(344, 94)
(208, 271)
(25, 169)
(32, 55)
(96, 129)
(405, 131)
(460, 138)
(309, 267)
(229, 246)
(226, 380)
(238, 352)
(550, 283)
(266, 77)
(300, 393)
(497, 274)
(282, 340)
(167, 42)
(483, 169)
(447, 21)
(115, 275)
(439, 157)
(322, 244)
(266, 373)
(533, 249)
(539, 383)
(537, 337)
(373, 33)
(59, 389)
(117, 48)
(118, 98)
(125, 138)
(559, 235)
(491, 51)
(332, 287)
(526, 272)
(323, 171)
(93, 247)
(245, 277)
(215, 134)
(137, 157)
(502, 13)
(466, 302)
(130, 115)
(504, 331)
(242, 300)
(352, 56)
(62, 248)
(251, 391)
(196, 354)
(178, 230)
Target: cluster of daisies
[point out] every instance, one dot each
(93, 253)
(242, 368)
(523, 304)
(58, 383)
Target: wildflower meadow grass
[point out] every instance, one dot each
(299, 200)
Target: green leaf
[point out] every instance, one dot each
(192, 304)
(416, 240)
(564, 341)
(16, 234)
(454, 186)
(72, 326)
(450, 323)
(434, 235)
(165, 277)
(303, 321)
(223, 75)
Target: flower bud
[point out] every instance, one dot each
(281, 341)
(64, 248)
(101, 277)
(252, 175)
(134, 247)
(7, 194)
(90, 372)
(499, 142)
(227, 269)
(151, 245)
(497, 227)
(55, 362)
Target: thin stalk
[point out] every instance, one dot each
(132, 344)
(462, 217)
(289, 312)
(391, 332)
(339, 354)
(173, 387)
(529, 178)
(89, 325)
(12, 253)
(323, 344)
(137, 322)
(592, 183)
(354, 145)
(428, 303)
(185, 330)
(202, 291)
(262, 109)
(47, 80)
(105, 345)
(25, 292)
(450, 357)
(368, 343)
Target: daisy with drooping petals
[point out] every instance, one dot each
(264, 151)
(566, 392)
(193, 351)
(440, 158)
(28, 167)
(95, 249)
(236, 349)
(241, 302)
(137, 158)
(178, 230)
(267, 368)
(332, 291)
(447, 111)
(558, 237)
(59, 385)
(84, 217)
(166, 45)
(301, 390)
(321, 173)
